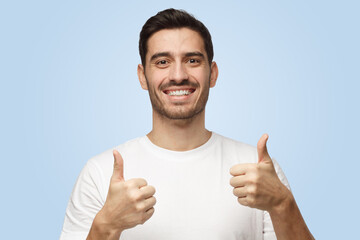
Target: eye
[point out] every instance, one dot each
(193, 61)
(162, 62)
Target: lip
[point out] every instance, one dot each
(191, 90)
(179, 98)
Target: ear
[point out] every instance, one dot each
(141, 76)
(214, 74)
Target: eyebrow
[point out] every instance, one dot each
(193, 54)
(160, 54)
(167, 54)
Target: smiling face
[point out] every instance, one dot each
(177, 73)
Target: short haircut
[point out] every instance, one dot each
(172, 19)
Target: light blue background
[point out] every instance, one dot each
(69, 91)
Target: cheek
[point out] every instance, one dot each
(156, 78)
(201, 75)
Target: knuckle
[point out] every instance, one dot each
(135, 196)
(139, 207)
(124, 186)
(131, 183)
(257, 178)
(254, 180)
(252, 190)
(255, 168)
(251, 201)
(144, 182)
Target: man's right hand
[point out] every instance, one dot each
(128, 204)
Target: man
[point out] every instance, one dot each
(188, 165)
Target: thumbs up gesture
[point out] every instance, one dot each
(128, 203)
(256, 184)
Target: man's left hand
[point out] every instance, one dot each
(256, 184)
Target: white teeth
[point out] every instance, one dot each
(179, 93)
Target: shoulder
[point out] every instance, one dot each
(243, 152)
(234, 143)
(105, 160)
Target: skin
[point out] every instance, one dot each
(180, 123)
(128, 204)
(177, 60)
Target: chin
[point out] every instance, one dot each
(180, 114)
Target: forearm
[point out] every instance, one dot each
(288, 222)
(100, 229)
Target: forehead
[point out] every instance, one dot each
(175, 41)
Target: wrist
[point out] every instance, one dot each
(102, 228)
(287, 220)
(285, 205)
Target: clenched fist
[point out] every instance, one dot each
(128, 204)
(256, 184)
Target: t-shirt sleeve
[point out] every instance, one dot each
(85, 202)
(268, 231)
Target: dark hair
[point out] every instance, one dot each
(170, 19)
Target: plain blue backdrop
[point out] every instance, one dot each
(69, 91)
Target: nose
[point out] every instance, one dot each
(178, 73)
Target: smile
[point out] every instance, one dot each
(180, 92)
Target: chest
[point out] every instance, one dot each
(194, 201)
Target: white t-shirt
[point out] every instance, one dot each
(193, 192)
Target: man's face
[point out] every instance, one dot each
(177, 73)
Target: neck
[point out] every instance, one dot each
(179, 134)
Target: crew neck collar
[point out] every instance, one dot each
(180, 155)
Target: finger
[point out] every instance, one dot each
(240, 169)
(149, 203)
(118, 172)
(147, 191)
(137, 182)
(243, 201)
(148, 214)
(263, 155)
(150, 210)
(238, 181)
(240, 192)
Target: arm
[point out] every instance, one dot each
(288, 222)
(257, 185)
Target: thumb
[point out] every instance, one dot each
(263, 154)
(118, 172)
